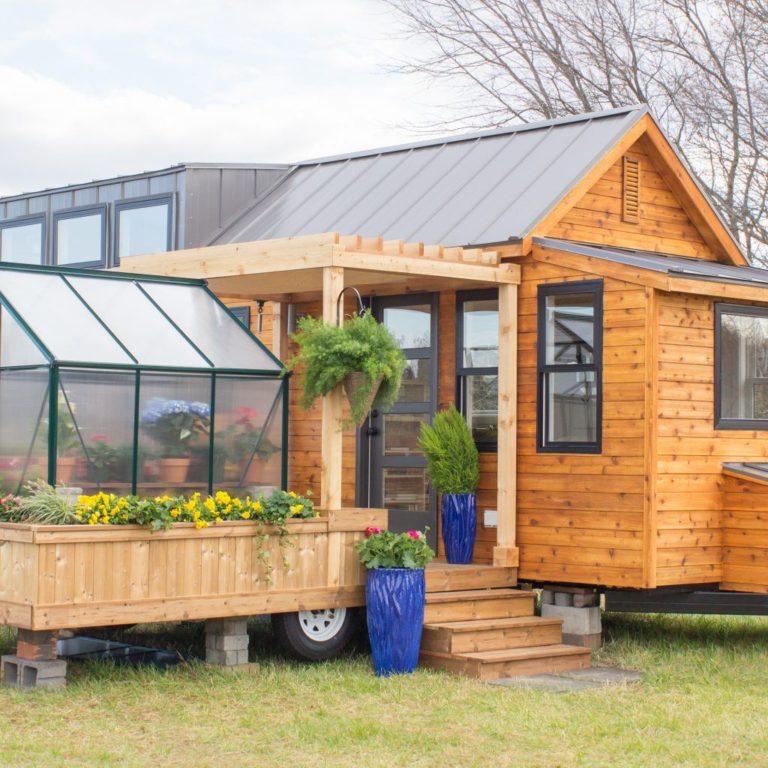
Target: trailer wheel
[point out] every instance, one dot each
(315, 635)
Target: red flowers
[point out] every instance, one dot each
(245, 415)
(371, 531)
(414, 534)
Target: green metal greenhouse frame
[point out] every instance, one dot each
(272, 370)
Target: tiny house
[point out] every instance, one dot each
(638, 339)
(570, 287)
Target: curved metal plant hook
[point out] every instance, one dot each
(360, 305)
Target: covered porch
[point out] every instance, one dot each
(318, 268)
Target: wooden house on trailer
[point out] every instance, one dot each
(589, 311)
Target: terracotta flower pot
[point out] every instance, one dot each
(65, 469)
(261, 471)
(173, 470)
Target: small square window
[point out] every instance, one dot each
(143, 226)
(80, 237)
(22, 240)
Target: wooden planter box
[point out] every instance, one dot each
(59, 577)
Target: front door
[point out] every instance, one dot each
(393, 470)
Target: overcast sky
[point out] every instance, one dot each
(91, 89)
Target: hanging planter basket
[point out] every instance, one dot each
(360, 392)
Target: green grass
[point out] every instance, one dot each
(704, 703)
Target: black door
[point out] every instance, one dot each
(393, 469)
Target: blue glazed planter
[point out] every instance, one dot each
(459, 525)
(395, 607)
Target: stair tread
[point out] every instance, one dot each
(532, 652)
(479, 625)
(477, 594)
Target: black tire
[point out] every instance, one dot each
(293, 633)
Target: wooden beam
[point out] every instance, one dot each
(505, 553)
(332, 407)
(720, 290)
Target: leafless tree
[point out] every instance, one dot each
(701, 66)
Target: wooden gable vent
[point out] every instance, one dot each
(630, 200)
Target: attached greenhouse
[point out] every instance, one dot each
(133, 384)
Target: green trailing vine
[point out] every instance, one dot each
(329, 353)
(453, 463)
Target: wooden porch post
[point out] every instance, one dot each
(333, 403)
(505, 553)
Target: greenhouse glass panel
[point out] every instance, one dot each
(218, 335)
(174, 433)
(248, 440)
(95, 429)
(16, 347)
(24, 432)
(59, 318)
(144, 330)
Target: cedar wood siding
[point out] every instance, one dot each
(711, 528)
(580, 516)
(663, 224)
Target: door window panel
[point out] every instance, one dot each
(401, 433)
(405, 489)
(411, 326)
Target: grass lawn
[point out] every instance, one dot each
(704, 703)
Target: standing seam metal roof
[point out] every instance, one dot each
(487, 187)
(678, 266)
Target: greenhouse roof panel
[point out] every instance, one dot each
(100, 318)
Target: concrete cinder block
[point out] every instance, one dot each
(227, 626)
(586, 600)
(563, 598)
(585, 641)
(231, 643)
(28, 673)
(576, 621)
(226, 658)
(547, 597)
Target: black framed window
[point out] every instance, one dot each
(243, 314)
(477, 364)
(80, 237)
(569, 361)
(741, 367)
(22, 240)
(143, 225)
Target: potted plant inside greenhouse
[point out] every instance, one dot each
(395, 591)
(361, 355)
(453, 467)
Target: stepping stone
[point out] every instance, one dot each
(572, 681)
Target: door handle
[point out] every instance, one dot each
(371, 431)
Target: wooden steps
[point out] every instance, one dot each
(491, 665)
(491, 634)
(476, 625)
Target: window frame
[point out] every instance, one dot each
(78, 213)
(721, 422)
(24, 221)
(543, 369)
(243, 313)
(145, 201)
(463, 371)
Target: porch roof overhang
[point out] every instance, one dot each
(293, 267)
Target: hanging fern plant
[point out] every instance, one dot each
(331, 355)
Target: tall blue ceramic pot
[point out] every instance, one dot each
(395, 606)
(459, 526)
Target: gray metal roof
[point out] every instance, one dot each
(487, 187)
(677, 266)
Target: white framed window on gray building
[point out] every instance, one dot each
(80, 237)
(22, 240)
(143, 226)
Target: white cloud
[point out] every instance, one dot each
(102, 89)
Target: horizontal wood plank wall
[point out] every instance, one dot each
(580, 516)
(662, 226)
(745, 535)
(690, 482)
(486, 492)
(304, 429)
